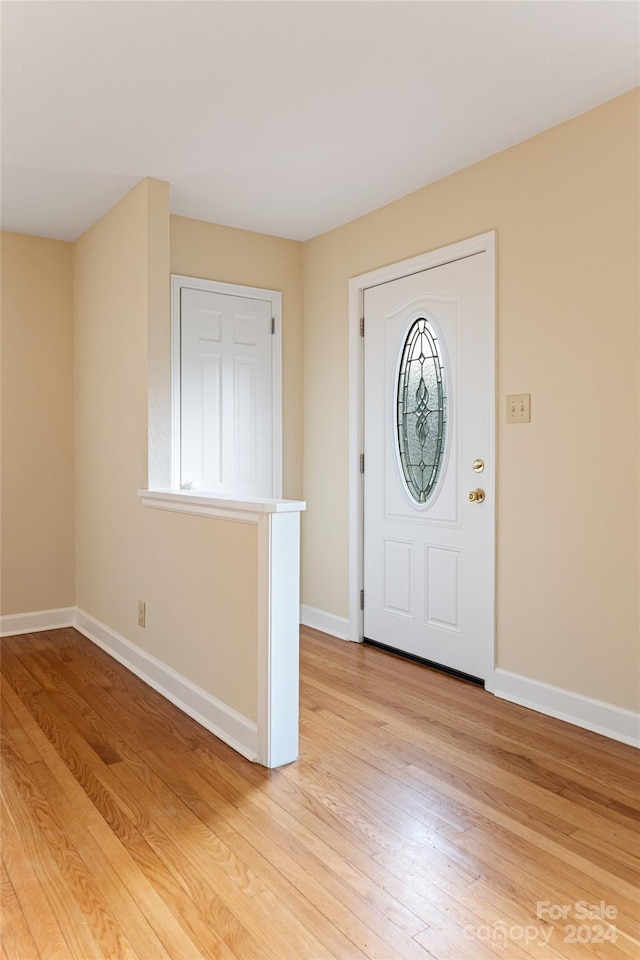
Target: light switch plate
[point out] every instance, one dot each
(519, 408)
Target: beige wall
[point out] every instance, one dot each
(565, 207)
(198, 576)
(213, 252)
(37, 565)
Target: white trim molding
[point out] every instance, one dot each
(178, 283)
(278, 637)
(222, 508)
(225, 723)
(329, 623)
(13, 624)
(595, 715)
(484, 243)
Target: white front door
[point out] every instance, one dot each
(226, 422)
(428, 402)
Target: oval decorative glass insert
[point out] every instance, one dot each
(421, 408)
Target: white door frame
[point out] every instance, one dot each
(485, 243)
(179, 282)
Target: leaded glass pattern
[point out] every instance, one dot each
(421, 405)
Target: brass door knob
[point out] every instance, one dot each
(476, 496)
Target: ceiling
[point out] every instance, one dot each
(287, 118)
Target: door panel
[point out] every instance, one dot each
(211, 382)
(428, 568)
(245, 390)
(226, 393)
(398, 577)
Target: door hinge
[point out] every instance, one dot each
(362, 326)
(362, 463)
(273, 324)
(362, 599)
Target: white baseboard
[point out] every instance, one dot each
(15, 623)
(221, 720)
(241, 733)
(326, 622)
(596, 715)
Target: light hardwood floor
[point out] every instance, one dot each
(424, 819)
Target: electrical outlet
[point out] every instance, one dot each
(519, 408)
(142, 613)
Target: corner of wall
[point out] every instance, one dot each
(159, 335)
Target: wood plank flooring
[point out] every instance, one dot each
(425, 818)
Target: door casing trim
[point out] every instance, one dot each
(484, 243)
(178, 282)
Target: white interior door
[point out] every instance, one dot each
(226, 422)
(428, 402)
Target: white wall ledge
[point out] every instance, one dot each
(215, 505)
